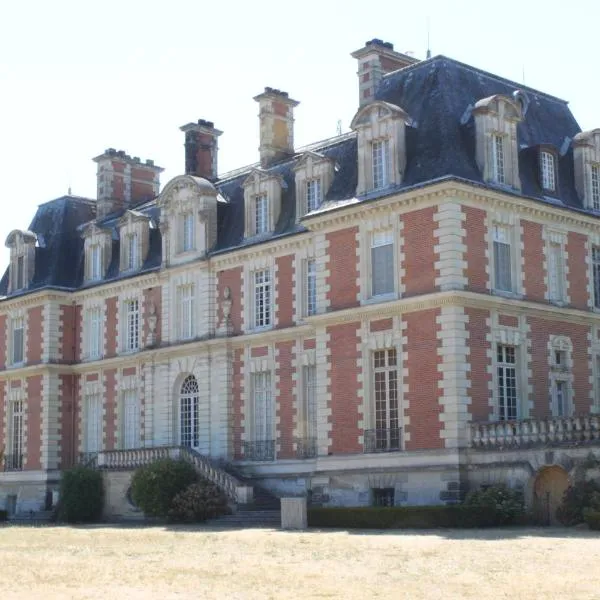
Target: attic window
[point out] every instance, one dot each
(498, 158)
(380, 151)
(548, 171)
(596, 187)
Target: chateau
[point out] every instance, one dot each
(391, 316)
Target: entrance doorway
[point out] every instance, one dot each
(549, 488)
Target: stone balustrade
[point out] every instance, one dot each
(526, 433)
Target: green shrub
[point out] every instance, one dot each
(497, 505)
(154, 486)
(577, 497)
(81, 496)
(3, 515)
(199, 502)
(592, 518)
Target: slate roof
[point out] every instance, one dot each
(438, 94)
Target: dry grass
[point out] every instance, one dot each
(119, 563)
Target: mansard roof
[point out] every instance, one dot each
(439, 95)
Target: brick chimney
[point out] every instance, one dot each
(276, 115)
(376, 59)
(201, 149)
(124, 181)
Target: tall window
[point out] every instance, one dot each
(596, 274)
(560, 393)
(132, 251)
(382, 263)
(309, 412)
(186, 312)
(502, 259)
(313, 194)
(187, 238)
(95, 341)
(95, 262)
(597, 390)
(596, 187)
(385, 392)
(261, 214)
(15, 460)
(20, 274)
(311, 287)
(556, 283)
(263, 409)
(131, 420)
(548, 171)
(18, 338)
(189, 419)
(132, 325)
(506, 366)
(262, 298)
(93, 423)
(380, 158)
(498, 158)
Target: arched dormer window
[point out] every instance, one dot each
(586, 155)
(188, 219)
(381, 129)
(22, 259)
(134, 233)
(314, 173)
(496, 148)
(548, 170)
(262, 201)
(97, 248)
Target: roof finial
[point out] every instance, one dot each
(428, 45)
(69, 191)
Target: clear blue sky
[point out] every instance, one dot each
(78, 77)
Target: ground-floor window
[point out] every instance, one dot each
(188, 413)
(131, 420)
(506, 371)
(383, 496)
(93, 423)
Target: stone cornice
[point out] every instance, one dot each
(34, 299)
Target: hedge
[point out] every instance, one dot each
(3, 515)
(592, 518)
(401, 517)
(81, 496)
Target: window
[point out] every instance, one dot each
(131, 420)
(186, 312)
(596, 187)
(261, 215)
(95, 336)
(93, 423)
(383, 496)
(380, 159)
(263, 409)
(311, 287)
(307, 447)
(313, 194)
(597, 390)
(20, 275)
(382, 263)
(556, 283)
(386, 436)
(14, 461)
(506, 370)
(18, 336)
(262, 298)
(132, 252)
(95, 262)
(502, 259)
(548, 171)
(189, 420)
(132, 325)
(560, 359)
(596, 274)
(498, 158)
(560, 400)
(187, 238)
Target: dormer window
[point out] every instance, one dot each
(498, 158)
(261, 214)
(313, 195)
(187, 239)
(548, 171)
(380, 150)
(134, 231)
(132, 252)
(262, 200)
(22, 259)
(95, 262)
(586, 158)
(20, 273)
(98, 251)
(595, 186)
(314, 173)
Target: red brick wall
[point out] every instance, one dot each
(381, 325)
(237, 390)
(344, 372)
(310, 344)
(152, 296)
(110, 407)
(259, 351)
(231, 278)
(533, 256)
(508, 320)
(343, 268)
(111, 326)
(35, 335)
(475, 227)
(478, 374)
(285, 399)
(34, 422)
(285, 291)
(578, 273)
(2, 341)
(419, 255)
(67, 425)
(423, 396)
(540, 333)
(129, 371)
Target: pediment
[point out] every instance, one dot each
(310, 157)
(587, 138)
(377, 111)
(258, 176)
(184, 189)
(500, 105)
(17, 236)
(132, 216)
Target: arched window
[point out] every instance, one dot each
(188, 413)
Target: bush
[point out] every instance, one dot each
(81, 496)
(592, 518)
(199, 502)
(497, 505)
(578, 497)
(154, 486)
(3, 515)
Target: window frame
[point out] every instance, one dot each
(310, 287)
(498, 158)
(17, 324)
(382, 239)
(263, 424)
(95, 256)
(386, 406)
(95, 332)
(556, 270)
(188, 232)
(380, 167)
(314, 199)
(16, 433)
(503, 369)
(595, 186)
(132, 325)
(262, 308)
(509, 243)
(261, 214)
(186, 298)
(130, 396)
(548, 166)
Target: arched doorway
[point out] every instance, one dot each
(189, 425)
(549, 488)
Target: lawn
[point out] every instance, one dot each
(136, 562)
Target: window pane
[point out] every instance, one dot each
(380, 163)
(311, 287)
(498, 158)
(262, 298)
(382, 265)
(596, 187)
(507, 383)
(313, 194)
(548, 171)
(502, 266)
(555, 272)
(189, 413)
(263, 415)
